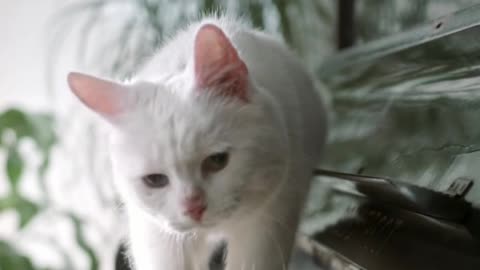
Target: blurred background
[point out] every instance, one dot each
(412, 117)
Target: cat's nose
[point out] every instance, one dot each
(195, 205)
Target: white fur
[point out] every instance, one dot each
(275, 140)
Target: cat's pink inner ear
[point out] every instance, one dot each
(104, 97)
(217, 64)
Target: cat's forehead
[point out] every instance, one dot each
(167, 118)
(175, 100)
(171, 121)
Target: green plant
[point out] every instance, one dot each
(10, 258)
(17, 126)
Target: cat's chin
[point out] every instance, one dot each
(181, 228)
(190, 227)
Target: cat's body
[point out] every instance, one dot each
(216, 87)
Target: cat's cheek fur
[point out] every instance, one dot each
(128, 167)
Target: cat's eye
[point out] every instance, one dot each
(214, 163)
(155, 180)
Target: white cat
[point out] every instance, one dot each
(215, 138)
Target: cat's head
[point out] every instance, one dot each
(193, 151)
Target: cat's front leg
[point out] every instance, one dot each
(265, 241)
(263, 246)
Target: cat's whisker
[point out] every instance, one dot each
(173, 244)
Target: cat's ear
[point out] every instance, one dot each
(106, 98)
(217, 64)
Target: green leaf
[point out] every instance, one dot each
(7, 202)
(11, 259)
(38, 127)
(42, 131)
(15, 120)
(256, 14)
(27, 210)
(282, 6)
(14, 167)
(209, 6)
(82, 242)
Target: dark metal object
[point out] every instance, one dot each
(397, 226)
(460, 187)
(406, 196)
(377, 237)
(345, 24)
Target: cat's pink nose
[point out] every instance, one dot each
(195, 205)
(196, 213)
